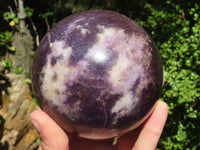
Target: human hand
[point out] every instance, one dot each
(145, 137)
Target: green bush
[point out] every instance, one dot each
(175, 27)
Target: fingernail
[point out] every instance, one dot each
(36, 125)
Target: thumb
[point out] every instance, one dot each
(51, 135)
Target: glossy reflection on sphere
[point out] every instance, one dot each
(97, 74)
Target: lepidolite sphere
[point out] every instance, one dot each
(97, 73)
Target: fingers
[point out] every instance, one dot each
(127, 140)
(152, 129)
(52, 136)
(163, 80)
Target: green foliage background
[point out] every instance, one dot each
(174, 26)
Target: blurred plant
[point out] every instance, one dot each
(7, 64)
(45, 17)
(6, 39)
(175, 27)
(11, 18)
(29, 13)
(18, 70)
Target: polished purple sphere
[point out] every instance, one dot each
(97, 73)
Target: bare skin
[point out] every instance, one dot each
(145, 137)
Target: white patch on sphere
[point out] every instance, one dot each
(116, 73)
(99, 56)
(128, 66)
(125, 100)
(124, 106)
(84, 31)
(58, 48)
(98, 53)
(73, 25)
(54, 90)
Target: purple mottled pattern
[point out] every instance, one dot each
(97, 73)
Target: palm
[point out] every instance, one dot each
(125, 142)
(145, 136)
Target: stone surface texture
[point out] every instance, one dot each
(97, 73)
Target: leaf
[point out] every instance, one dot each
(181, 134)
(9, 16)
(18, 70)
(28, 80)
(46, 15)
(29, 11)
(7, 63)
(11, 48)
